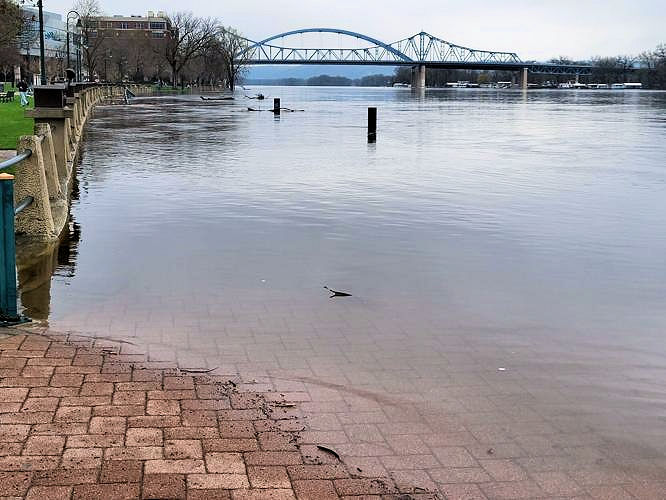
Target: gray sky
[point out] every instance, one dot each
(535, 29)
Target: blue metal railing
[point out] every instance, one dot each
(8, 291)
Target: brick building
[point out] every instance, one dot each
(127, 47)
(154, 26)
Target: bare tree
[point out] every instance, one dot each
(234, 49)
(15, 28)
(189, 36)
(91, 33)
(139, 56)
(210, 68)
(11, 22)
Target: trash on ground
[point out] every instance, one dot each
(335, 293)
(198, 370)
(328, 450)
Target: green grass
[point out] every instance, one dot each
(13, 123)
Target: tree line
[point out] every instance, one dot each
(648, 68)
(196, 50)
(329, 81)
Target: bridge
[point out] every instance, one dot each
(418, 51)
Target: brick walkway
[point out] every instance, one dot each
(85, 419)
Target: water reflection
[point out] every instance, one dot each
(39, 264)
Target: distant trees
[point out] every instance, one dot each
(440, 77)
(375, 81)
(653, 67)
(649, 68)
(331, 81)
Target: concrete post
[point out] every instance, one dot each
(523, 79)
(419, 76)
(50, 165)
(78, 114)
(36, 220)
(58, 120)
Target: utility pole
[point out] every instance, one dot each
(42, 60)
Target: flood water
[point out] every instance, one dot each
(484, 230)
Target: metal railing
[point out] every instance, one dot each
(17, 159)
(8, 290)
(23, 204)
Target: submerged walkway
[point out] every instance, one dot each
(85, 419)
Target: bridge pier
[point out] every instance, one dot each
(523, 79)
(419, 76)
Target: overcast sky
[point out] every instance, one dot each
(535, 29)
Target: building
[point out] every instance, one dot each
(132, 27)
(126, 47)
(55, 49)
(55, 33)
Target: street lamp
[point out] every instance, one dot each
(78, 25)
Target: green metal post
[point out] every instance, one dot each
(8, 295)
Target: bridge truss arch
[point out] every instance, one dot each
(264, 52)
(421, 49)
(426, 48)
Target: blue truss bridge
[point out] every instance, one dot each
(418, 51)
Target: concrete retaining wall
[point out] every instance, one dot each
(47, 174)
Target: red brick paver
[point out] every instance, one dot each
(80, 420)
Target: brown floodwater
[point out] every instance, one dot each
(505, 253)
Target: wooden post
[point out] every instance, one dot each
(8, 294)
(276, 106)
(372, 124)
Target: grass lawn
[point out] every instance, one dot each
(13, 124)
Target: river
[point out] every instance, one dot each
(505, 252)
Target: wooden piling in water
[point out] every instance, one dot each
(276, 106)
(372, 124)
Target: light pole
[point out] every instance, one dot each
(42, 60)
(78, 24)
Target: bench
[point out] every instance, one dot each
(7, 96)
